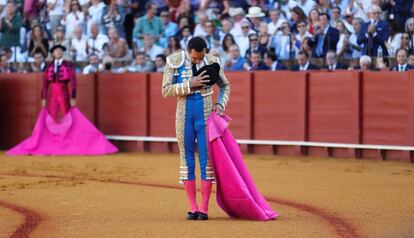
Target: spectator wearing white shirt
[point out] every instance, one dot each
(200, 28)
(238, 16)
(243, 40)
(151, 49)
(55, 12)
(276, 21)
(79, 44)
(359, 9)
(356, 48)
(94, 66)
(96, 41)
(95, 13)
(226, 26)
(185, 36)
(73, 19)
(306, 5)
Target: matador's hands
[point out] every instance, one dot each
(199, 81)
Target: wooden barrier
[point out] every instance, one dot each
(348, 107)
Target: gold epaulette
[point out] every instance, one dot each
(212, 59)
(176, 60)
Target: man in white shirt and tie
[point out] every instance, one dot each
(402, 61)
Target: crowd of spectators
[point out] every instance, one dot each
(137, 35)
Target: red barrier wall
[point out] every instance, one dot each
(339, 107)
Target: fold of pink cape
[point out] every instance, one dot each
(73, 135)
(237, 194)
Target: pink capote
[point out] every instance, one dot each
(71, 135)
(237, 194)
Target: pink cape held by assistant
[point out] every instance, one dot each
(71, 135)
(237, 194)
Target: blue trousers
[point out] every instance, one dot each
(195, 129)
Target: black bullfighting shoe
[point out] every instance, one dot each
(202, 216)
(192, 215)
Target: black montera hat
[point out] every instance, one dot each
(57, 46)
(212, 70)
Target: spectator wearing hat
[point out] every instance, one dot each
(10, 26)
(236, 61)
(303, 62)
(271, 61)
(96, 41)
(402, 61)
(255, 15)
(149, 24)
(237, 14)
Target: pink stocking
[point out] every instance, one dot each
(190, 189)
(205, 195)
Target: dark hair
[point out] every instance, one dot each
(252, 34)
(149, 5)
(256, 52)
(300, 12)
(162, 56)
(197, 43)
(176, 40)
(302, 52)
(223, 43)
(402, 49)
(140, 53)
(338, 9)
(324, 14)
(92, 54)
(271, 55)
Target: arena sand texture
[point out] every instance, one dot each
(138, 195)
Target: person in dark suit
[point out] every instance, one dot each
(326, 37)
(332, 62)
(255, 46)
(271, 61)
(303, 62)
(402, 61)
(399, 12)
(256, 62)
(374, 34)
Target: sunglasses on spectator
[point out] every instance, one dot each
(300, 26)
(253, 39)
(405, 38)
(245, 27)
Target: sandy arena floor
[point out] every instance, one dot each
(138, 195)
